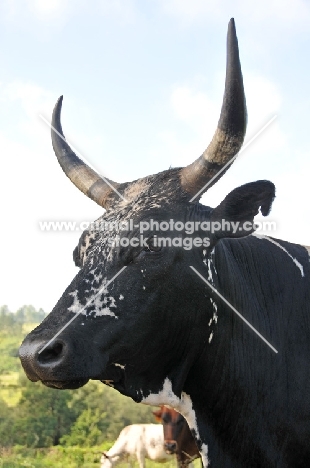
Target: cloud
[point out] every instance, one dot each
(187, 12)
(44, 18)
(123, 10)
(33, 98)
(193, 107)
(197, 109)
(47, 9)
(42, 10)
(198, 112)
(288, 12)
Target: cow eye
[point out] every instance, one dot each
(165, 418)
(152, 245)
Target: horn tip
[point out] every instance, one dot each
(232, 27)
(231, 23)
(58, 104)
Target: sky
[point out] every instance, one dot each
(142, 84)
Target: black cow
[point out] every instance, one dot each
(137, 317)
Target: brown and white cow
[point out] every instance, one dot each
(137, 440)
(178, 438)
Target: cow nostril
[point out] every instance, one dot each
(170, 447)
(51, 353)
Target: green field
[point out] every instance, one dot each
(70, 457)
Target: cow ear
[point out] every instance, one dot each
(157, 415)
(240, 206)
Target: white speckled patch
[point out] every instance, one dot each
(99, 300)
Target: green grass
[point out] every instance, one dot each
(66, 457)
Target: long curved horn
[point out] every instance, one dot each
(230, 132)
(82, 176)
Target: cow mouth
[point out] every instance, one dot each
(65, 385)
(120, 382)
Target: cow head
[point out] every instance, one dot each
(173, 424)
(135, 313)
(106, 461)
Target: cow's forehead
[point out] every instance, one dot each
(156, 193)
(129, 212)
(163, 186)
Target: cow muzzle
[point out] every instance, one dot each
(50, 364)
(170, 447)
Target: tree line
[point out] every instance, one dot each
(25, 314)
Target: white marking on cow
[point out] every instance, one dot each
(283, 249)
(233, 309)
(141, 441)
(121, 297)
(76, 306)
(119, 365)
(204, 455)
(214, 305)
(210, 337)
(212, 256)
(81, 310)
(102, 303)
(84, 248)
(105, 311)
(210, 275)
(183, 405)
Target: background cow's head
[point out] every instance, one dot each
(106, 461)
(133, 314)
(178, 438)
